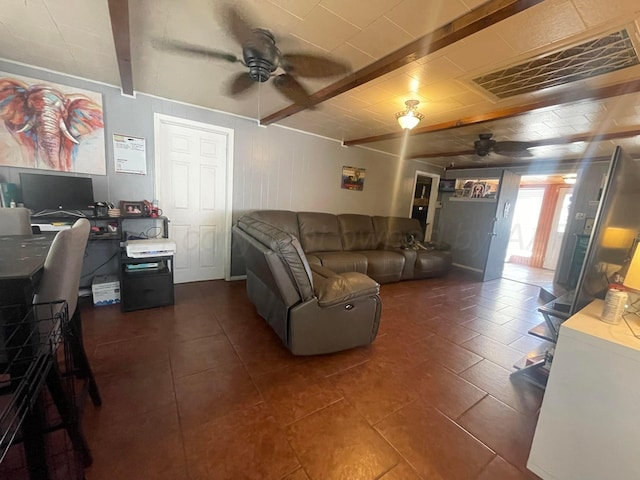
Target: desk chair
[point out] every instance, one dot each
(15, 221)
(61, 281)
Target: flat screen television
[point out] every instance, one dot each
(615, 231)
(57, 193)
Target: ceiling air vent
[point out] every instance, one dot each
(589, 59)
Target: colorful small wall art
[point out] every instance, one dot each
(50, 126)
(353, 178)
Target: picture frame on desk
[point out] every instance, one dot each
(130, 208)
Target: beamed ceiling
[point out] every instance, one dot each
(435, 51)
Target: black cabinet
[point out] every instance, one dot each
(145, 282)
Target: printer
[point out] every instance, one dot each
(152, 247)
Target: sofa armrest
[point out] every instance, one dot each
(333, 289)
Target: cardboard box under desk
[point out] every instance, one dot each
(105, 289)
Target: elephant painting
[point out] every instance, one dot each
(48, 124)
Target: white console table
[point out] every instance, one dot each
(589, 424)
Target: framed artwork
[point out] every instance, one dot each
(131, 208)
(50, 126)
(447, 185)
(353, 178)
(477, 190)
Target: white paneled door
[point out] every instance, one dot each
(192, 163)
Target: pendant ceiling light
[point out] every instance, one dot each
(410, 117)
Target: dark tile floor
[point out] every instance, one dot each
(205, 390)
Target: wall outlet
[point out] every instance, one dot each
(580, 216)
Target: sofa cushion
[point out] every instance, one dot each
(410, 256)
(319, 232)
(357, 232)
(391, 232)
(287, 247)
(384, 266)
(312, 259)
(432, 263)
(333, 289)
(341, 262)
(283, 219)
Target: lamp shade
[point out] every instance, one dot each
(408, 120)
(410, 117)
(632, 278)
(615, 237)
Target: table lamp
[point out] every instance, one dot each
(618, 238)
(632, 282)
(617, 245)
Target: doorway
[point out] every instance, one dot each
(193, 173)
(540, 217)
(424, 200)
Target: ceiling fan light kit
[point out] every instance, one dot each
(410, 117)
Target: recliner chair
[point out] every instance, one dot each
(312, 309)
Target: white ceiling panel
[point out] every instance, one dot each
(75, 37)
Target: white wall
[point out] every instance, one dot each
(273, 168)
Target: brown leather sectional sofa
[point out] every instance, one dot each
(314, 276)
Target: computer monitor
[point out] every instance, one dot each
(56, 193)
(613, 236)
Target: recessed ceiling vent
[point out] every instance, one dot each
(589, 59)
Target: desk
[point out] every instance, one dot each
(21, 263)
(22, 260)
(589, 420)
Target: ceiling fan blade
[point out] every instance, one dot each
(312, 66)
(241, 30)
(515, 153)
(240, 84)
(442, 154)
(291, 88)
(195, 50)
(512, 146)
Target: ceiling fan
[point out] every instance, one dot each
(263, 59)
(486, 145)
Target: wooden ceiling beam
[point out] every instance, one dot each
(578, 137)
(536, 163)
(476, 20)
(119, 13)
(575, 95)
